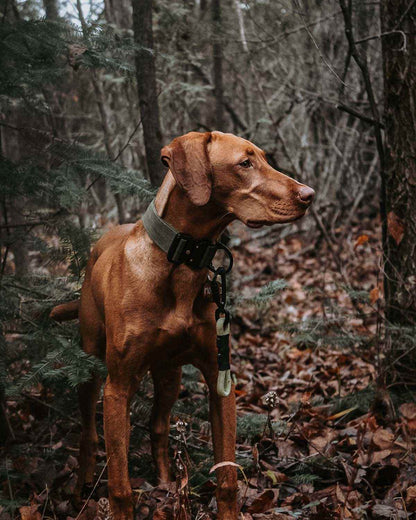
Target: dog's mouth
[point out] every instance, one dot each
(255, 224)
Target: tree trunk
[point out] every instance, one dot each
(399, 64)
(147, 89)
(217, 64)
(5, 430)
(118, 12)
(13, 146)
(51, 9)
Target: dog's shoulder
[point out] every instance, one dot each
(113, 239)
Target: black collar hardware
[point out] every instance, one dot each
(196, 254)
(181, 248)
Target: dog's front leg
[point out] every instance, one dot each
(166, 382)
(116, 430)
(223, 424)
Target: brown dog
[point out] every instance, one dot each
(140, 312)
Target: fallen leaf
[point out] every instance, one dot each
(362, 239)
(30, 512)
(383, 439)
(395, 227)
(378, 456)
(275, 476)
(374, 295)
(383, 511)
(263, 502)
(408, 410)
(411, 498)
(339, 494)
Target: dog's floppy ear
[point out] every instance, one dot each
(187, 158)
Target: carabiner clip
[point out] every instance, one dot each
(229, 256)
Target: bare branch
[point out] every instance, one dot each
(323, 58)
(377, 36)
(359, 115)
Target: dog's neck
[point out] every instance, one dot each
(200, 222)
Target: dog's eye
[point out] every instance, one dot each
(246, 163)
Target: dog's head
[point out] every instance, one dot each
(233, 173)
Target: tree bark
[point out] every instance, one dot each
(147, 88)
(217, 64)
(118, 12)
(399, 64)
(51, 9)
(13, 146)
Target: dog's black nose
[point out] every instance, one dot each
(306, 194)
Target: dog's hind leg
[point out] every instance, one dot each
(88, 394)
(93, 343)
(166, 389)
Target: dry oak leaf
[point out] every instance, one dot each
(395, 227)
(383, 439)
(30, 512)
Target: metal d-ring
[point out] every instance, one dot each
(229, 256)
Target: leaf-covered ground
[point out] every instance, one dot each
(313, 440)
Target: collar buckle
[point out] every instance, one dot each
(196, 254)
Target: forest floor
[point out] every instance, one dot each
(319, 447)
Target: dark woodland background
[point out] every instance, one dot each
(323, 310)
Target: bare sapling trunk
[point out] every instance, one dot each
(217, 64)
(147, 88)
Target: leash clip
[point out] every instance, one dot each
(229, 255)
(222, 319)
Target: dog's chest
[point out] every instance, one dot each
(182, 327)
(185, 306)
(179, 322)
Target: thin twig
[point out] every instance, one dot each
(403, 16)
(362, 64)
(361, 61)
(93, 489)
(359, 115)
(324, 60)
(377, 36)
